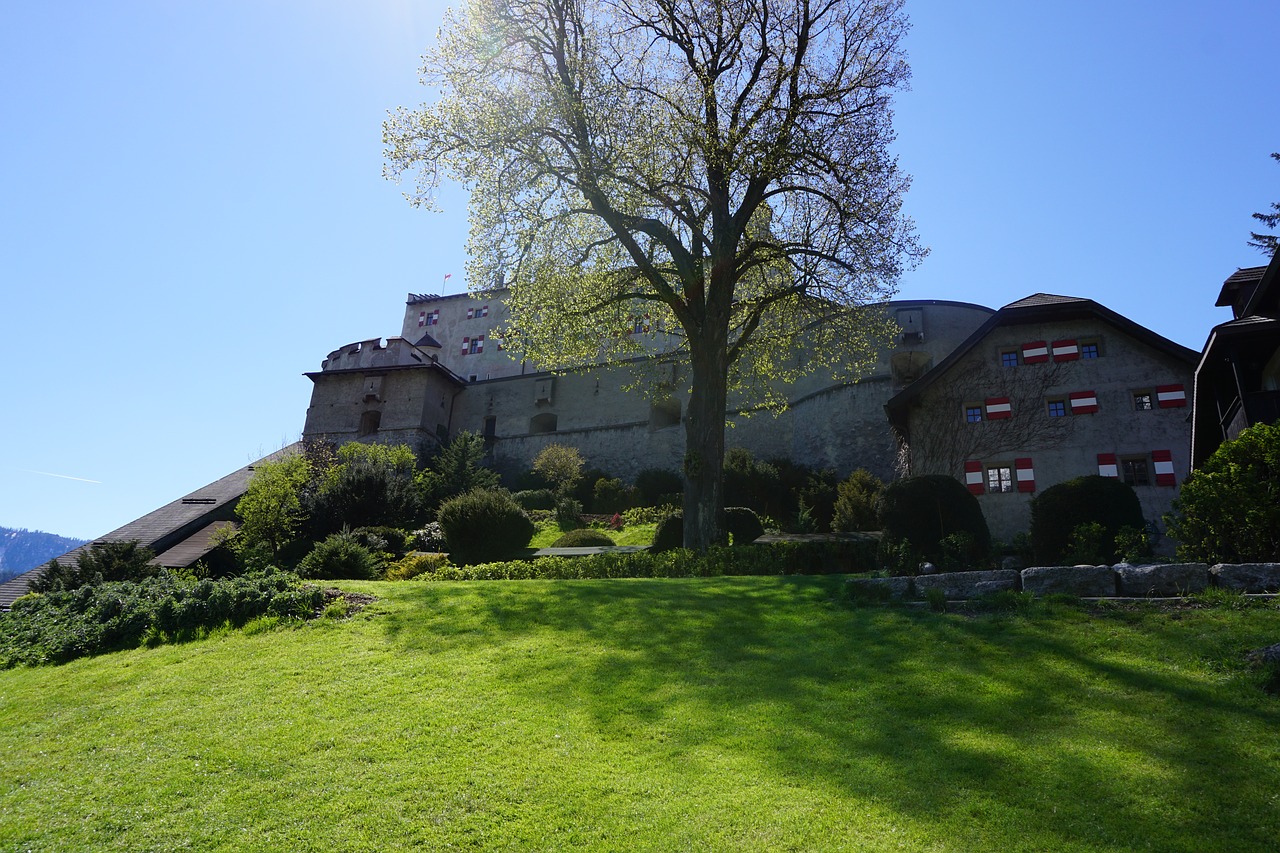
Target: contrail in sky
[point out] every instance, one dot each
(63, 476)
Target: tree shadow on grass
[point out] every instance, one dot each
(1037, 732)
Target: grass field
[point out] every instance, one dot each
(693, 714)
(632, 534)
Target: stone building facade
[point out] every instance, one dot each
(1048, 389)
(1105, 396)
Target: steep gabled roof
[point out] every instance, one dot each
(1037, 308)
(165, 528)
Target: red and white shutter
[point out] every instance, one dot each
(480, 344)
(998, 408)
(466, 346)
(1036, 352)
(1171, 396)
(1107, 465)
(1083, 402)
(973, 477)
(1067, 350)
(1163, 460)
(1026, 474)
(422, 318)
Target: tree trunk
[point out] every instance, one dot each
(704, 448)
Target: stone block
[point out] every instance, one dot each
(1247, 577)
(959, 585)
(1084, 581)
(898, 587)
(1161, 580)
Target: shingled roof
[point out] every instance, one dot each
(1037, 308)
(165, 529)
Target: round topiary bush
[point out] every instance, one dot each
(742, 524)
(583, 537)
(482, 526)
(339, 556)
(669, 535)
(925, 510)
(1059, 510)
(1229, 507)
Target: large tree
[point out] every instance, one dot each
(709, 178)
(1267, 243)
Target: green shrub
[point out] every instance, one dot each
(413, 565)
(649, 514)
(899, 557)
(568, 514)
(484, 525)
(958, 553)
(559, 465)
(657, 486)
(103, 562)
(372, 485)
(611, 496)
(1089, 545)
(857, 504)
(340, 555)
(669, 535)
(62, 625)
(924, 510)
(583, 537)
(754, 484)
(535, 499)
(1229, 508)
(936, 598)
(1059, 510)
(773, 559)
(429, 537)
(1133, 544)
(742, 524)
(393, 539)
(457, 469)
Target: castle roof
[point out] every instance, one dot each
(1037, 308)
(168, 527)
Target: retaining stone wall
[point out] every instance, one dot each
(1123, 580)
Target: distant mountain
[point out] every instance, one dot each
(23, 550)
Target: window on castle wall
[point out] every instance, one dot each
(973, 414)
(543, 423)
(1090, 349)
(369, 423)
(1008, 358)
(1057, 408)
(1143, 401)
(1135, 471)
(999, 478)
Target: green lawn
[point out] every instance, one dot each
(632, 534)
(693, 714)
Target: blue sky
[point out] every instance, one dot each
(192, 212)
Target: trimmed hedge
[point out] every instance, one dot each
(1059, 510)
(926, 510)
(781, 558)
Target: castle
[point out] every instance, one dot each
(1009, 401)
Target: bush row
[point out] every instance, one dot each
(59, 626)
(781, 558)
